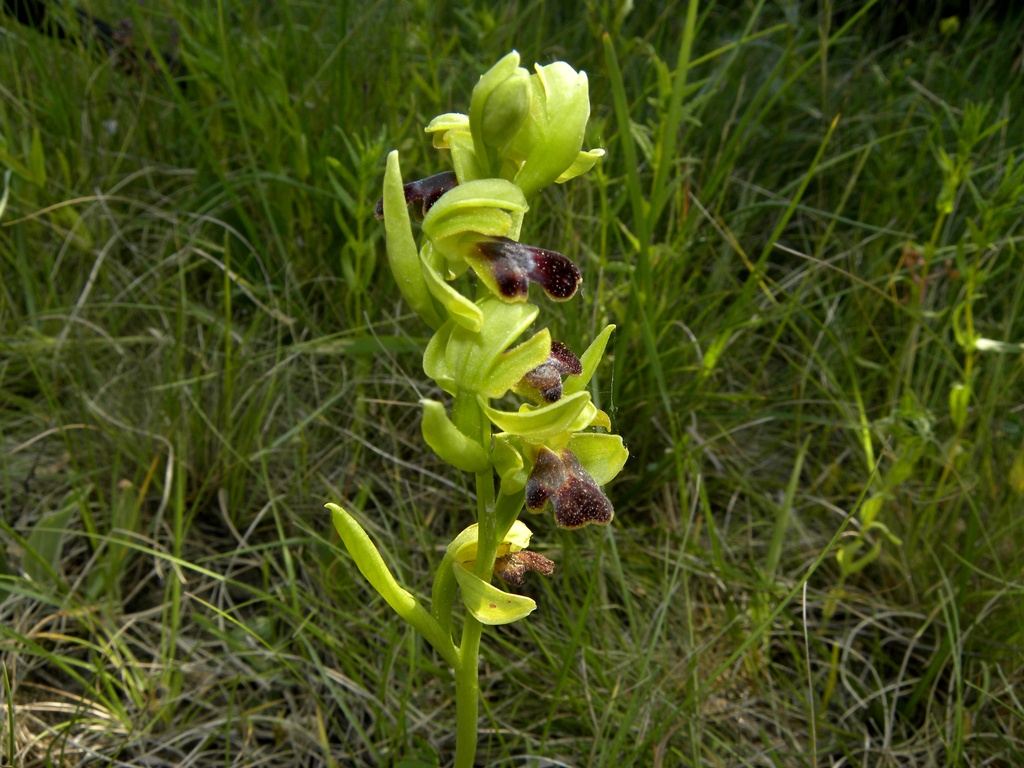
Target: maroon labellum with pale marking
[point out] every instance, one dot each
(512, 266)
(575, 497)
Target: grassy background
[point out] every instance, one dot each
(802, 228)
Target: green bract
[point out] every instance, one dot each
(402, 254)
(448, 442)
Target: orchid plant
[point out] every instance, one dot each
(523, 132)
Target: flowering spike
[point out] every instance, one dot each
(522, 132)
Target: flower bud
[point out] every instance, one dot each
(498, 108)
(506, 109)
(549, 142)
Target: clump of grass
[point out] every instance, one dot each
(198, 345)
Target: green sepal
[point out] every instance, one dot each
(549, 141)
(509, 369)
(589, 360)
(434, 363)
(487, 603)
(508, 463)
(481, 361)
(448, 442)
(602, 455)
(485, 206)
(505, 111)
(464, 161)
(489, 83)
(403, 256)
(539, 423)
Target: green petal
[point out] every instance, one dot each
(603, 456)
(462, 549)
(583, 163)
(487, 603)
(539, 423)
(590, 360)
(510, 368)
(448, 442)
(590, 416)
(441, 126)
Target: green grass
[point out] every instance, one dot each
(815, 553)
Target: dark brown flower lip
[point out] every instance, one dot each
(515, 265)
(574, 496)
(544, 383)
(423, 193)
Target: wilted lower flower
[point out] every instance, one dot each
(512, 568)
(487, 603)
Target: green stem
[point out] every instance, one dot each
(471, 421)
(467, 694)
